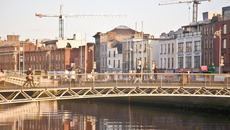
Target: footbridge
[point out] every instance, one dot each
(62, 87)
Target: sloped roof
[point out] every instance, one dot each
(123, 30)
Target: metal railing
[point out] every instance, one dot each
(74, 86)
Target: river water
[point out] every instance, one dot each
(97, 115)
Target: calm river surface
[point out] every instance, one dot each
(95, 115)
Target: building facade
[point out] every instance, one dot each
(111, 38)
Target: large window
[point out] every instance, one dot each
(161, 48)
(165, 49)
(197, 46)
(168, 63)
(224, 29)
(205, 43)
(188, 47)
(172, 47)
(180, 47)
(180, 62)
(188, 60)
(172, 63)
(164, 62)
(168, 48)
(161, 63)
(211, 43)
(224, 43)
(210, 58)
(118, 64)
(196, 61)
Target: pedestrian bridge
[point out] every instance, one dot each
(62, 87)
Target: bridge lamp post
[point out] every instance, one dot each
(218, 34)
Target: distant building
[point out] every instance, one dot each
(224, 26)
(108, 40)
(138, 51)
(114, 59)
(20, 55)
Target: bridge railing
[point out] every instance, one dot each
(117, 79)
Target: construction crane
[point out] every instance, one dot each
(61, 17)
(195, 5)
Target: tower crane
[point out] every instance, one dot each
(61, 17)
(195, 5)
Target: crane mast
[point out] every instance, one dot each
(61, 17)
(195, 6)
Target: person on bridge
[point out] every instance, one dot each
(73, 76)
(2, 74)
(29, 78)
(155, 74)
(138, 75)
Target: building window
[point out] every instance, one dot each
(206, 31)
(225, 29)
(114, 63)
(109, 62)
(114, 53)
(109, 53)
(145, 48)
(172, 63)
(161, 63)
(165, 49)
(180, 62)
(161, 48)
(197, 46)
(205, 43)
(168, 48)
(211, 43)
(168, 63)
(164, 62)
(205, 59)
(210, 60)
(211, 30)
(196, 61)
(180, 47)
(224, 43)
(34, 58)
(118, 64)
(188, 47)
(188, 60)
(172, 47)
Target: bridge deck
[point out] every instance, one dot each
(113, 86)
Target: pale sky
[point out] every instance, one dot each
(18, 16)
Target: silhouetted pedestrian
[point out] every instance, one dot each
(2, 74)
(29, 78)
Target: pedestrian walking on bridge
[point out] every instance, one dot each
(29, 78)
(2, 74)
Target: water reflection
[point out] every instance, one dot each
(95, 115)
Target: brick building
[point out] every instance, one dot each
(224, 26)
(43, 58)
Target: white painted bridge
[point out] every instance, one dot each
(116, 85)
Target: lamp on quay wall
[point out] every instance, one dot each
(218, 33)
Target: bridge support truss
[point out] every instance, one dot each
(62, 93)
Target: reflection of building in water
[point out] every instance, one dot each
(44, 115)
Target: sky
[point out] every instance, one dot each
(18, 16)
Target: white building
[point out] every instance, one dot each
(114, 59)
(138, 49)
(77, 41)
(181, 49)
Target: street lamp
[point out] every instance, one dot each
(218, 33)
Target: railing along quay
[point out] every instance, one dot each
(75, 86)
